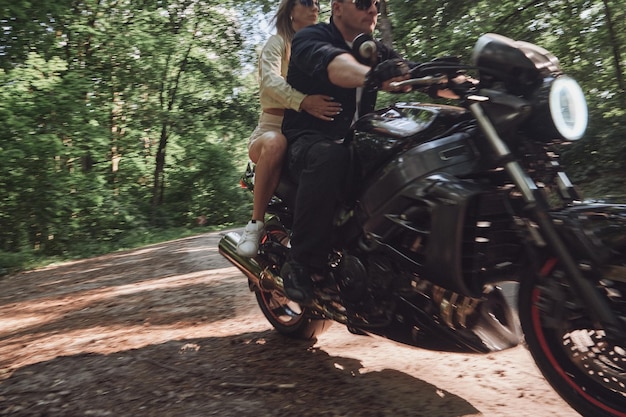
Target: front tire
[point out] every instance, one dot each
(583, 366)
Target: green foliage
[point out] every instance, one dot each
(120, 118)
(588, 37)
(203, 183)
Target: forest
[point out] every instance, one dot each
(122, 119)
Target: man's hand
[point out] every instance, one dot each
(385, 73)
(457, 86)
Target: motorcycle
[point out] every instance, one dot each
(450, 203)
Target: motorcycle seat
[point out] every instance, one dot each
(286, 189)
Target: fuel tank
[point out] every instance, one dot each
(396, 146)
(385, 132)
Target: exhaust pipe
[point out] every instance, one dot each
(260, 277)
(263, 278)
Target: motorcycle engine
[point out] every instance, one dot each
(351, 277)
(365, 285)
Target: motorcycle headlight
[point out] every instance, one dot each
(568, 108)
(559, 110)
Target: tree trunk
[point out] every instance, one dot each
(171, 92)
(159, 169)
(384, 25)
(617, 58)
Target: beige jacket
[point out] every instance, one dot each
(274, 91)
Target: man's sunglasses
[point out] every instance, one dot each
(366, 4)
(360, 4)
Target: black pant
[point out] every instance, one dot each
(319, 166)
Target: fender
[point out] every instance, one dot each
(593, 231)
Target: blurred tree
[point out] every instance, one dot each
(95, 94)
(588, 37)
(122, 114)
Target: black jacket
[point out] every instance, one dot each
(312, 49)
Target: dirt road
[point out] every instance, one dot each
(172, 330)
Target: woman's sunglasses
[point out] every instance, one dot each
(310, 3)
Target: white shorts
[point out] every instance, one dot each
(267, 123)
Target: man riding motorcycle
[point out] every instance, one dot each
(322, 62)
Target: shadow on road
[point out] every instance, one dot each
(251, 374)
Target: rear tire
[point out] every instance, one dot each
(286, 316)
(585, 368)
(290, 318)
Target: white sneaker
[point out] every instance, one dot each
(248, 245)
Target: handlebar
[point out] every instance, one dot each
(422, 81)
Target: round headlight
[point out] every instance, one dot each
(568, 108)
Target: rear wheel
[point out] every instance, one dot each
(290, 318)
(585, 367)
(286, 316)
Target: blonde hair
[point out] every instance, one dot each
(282, 20)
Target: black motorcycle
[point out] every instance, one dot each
(449, 203)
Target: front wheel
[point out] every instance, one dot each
(287, 316)
(585, 368)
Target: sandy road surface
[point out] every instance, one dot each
(172, 330)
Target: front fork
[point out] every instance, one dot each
(599, 309)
